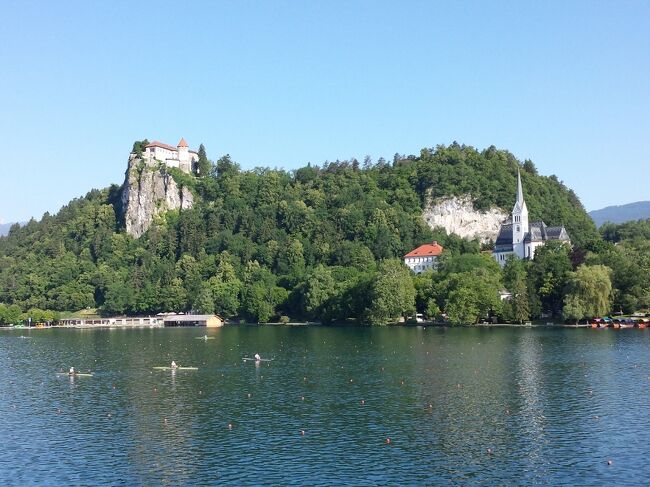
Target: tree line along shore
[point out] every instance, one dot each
(325, 243)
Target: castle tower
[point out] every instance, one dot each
(519, 221)
(184, 155)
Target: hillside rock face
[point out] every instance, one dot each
(457, 215)
(148, 192)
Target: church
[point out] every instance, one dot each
(521, 238)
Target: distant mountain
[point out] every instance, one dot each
(621, 214)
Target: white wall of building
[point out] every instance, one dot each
(182, 158)
(420, 264)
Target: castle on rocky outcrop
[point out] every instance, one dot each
(150, 191)
(520, 238)
(180, 156)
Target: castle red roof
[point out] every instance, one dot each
(155, 143)
(433, 249)
(182, 143)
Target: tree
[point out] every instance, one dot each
(226, 287)
(204, 303)
(139, 146)
(319, 289)
(549, 272)
(589, 292)
(393, 293)
(515, 281)
(471, 296)
(203, 165)
(260, 295)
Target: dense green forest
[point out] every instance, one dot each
(323, 243)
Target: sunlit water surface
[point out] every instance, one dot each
(461, 407)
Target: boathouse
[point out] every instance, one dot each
(210, 321)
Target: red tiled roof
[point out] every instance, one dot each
(432, 249)
(182, 143)
(155, 143)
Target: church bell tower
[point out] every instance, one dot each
(519, 221)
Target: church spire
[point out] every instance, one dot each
(519, 221)
(520, 192)
(520, 204)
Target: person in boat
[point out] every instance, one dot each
(174, 366)
(257, 357)
(72, 371)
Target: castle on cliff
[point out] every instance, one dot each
(180, 156)
(521, 238)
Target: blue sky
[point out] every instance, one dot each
(283, 83)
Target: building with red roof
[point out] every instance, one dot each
(424, 257)
(180, 156)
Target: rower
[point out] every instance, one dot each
(72, 372)
(174, 366)
(257, 357)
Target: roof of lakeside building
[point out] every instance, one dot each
(189, 317)
(182, 143)
(433, 249)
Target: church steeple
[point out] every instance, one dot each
(519, 220)
(520, 191)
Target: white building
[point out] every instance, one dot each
(180, 156)
(521, 238)
(424, 257)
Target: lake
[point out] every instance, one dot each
(466, 406)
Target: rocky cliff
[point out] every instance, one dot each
(148, 192)
(457, 215)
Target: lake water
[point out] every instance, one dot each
(489, 406)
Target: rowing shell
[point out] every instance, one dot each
(76, 374)
(176, 368)
(257, 360)
(204, 338)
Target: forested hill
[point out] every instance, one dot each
(256, 241)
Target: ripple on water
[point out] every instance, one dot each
(502, 406)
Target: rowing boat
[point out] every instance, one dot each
(176, 368)
(76, 374)
(245, 359)
(204, 338)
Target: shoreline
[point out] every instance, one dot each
(303, 324)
